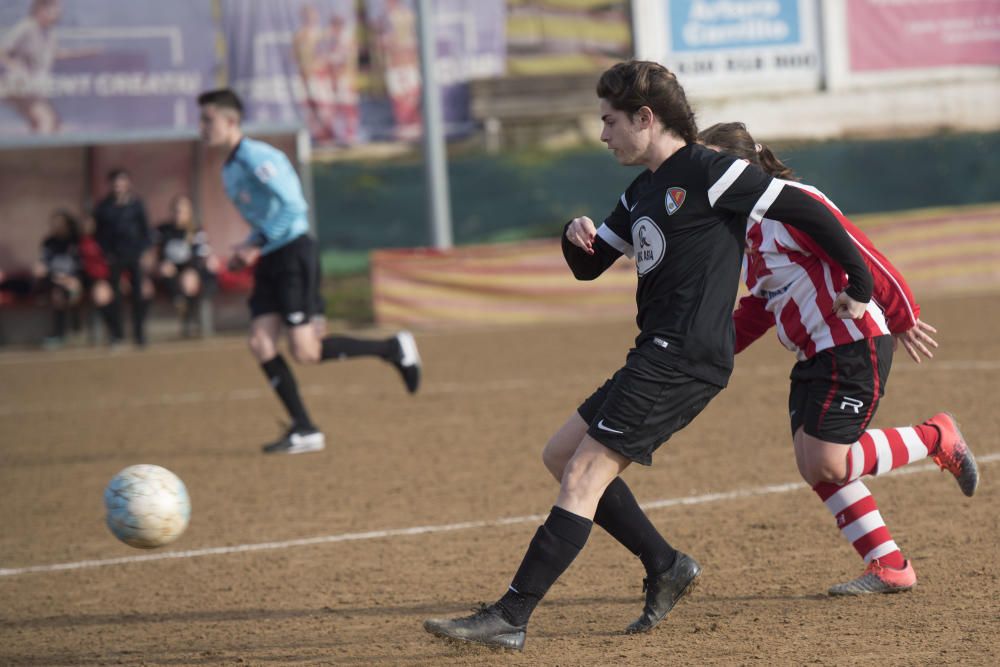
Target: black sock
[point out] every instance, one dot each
(59, 322)
(139, 308)
(279, 375)
(554, 546)
(620, 515)
(343, 347)
(112, 319)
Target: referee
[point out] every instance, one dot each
(266, 190)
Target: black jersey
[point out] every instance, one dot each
(177, 246)
(60, 256)
(685, 225)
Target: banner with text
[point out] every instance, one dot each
(721, 46)
(914, 34)
(74, 66)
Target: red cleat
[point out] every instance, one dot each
(953, 453)
(878, 579)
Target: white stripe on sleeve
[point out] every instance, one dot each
(720, 186)
(615, 241)
(766, 199)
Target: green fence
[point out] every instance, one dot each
(513, 196)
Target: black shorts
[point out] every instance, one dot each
(644, 403)
(286, 282)
(834, 394)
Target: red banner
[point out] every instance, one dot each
(914, 34)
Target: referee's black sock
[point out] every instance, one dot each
(620, 515)
(279, 375)
(554, 546)
(343, 347)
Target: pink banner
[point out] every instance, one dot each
(912, 34)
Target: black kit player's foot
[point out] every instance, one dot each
(487, 626)
(407, 361)
(297, 441)
(663, 591)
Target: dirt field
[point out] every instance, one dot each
(466, 449)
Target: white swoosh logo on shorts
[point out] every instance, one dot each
(601, 426)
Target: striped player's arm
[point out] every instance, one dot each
(751, 321)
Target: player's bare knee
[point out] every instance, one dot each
(306, 354)
(825, 472)
(261, 346)
(554, 460)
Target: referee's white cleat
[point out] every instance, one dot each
(407, 362)
(297, 441)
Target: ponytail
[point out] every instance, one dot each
(734, 139)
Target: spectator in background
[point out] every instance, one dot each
(96, 278)
(59, 272)
(124, 236)
(186, 267)
(396, 32)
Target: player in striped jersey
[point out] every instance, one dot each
(683, 220)
(842, 368)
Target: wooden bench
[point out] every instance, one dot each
(531, 105)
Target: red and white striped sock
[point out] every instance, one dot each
(878, 451)
(860, 521)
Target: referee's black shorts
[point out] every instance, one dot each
(644, 403)
(286, 282)
(835, 393)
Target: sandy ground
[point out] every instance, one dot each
(466, 449)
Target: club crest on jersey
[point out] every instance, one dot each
(674, 199)
(649, 244)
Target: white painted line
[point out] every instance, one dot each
(427, 530)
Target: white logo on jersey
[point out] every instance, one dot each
(265, 172)
(852, 403)
(647, 239)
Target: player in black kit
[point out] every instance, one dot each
(683, 220)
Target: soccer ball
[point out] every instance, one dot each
(147, 506)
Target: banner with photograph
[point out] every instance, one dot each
(718, 46)
(92, 66)
(916, 34)
(351, 72)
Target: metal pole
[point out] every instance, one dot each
(435, 154)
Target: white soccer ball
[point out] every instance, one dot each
(147, 506)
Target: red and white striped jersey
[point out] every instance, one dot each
(793, 284)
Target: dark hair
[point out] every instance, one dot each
(734, 139)
(71, 223)
(117, 172)
(635, 84)
(223, 98)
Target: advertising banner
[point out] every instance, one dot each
(915, 34)
(354, 76)
(94, 66)
(718, 46)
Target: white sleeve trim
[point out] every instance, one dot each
(720, 186)
(766, 199)
(615, 241)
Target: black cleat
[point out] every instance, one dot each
(407, 361)
(663, 591)
(487, 626)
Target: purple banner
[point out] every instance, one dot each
(86, 66)
(356, 77)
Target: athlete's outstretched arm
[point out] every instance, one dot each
(586, 253)
(795, 207)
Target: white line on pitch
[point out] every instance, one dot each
(425, 530)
